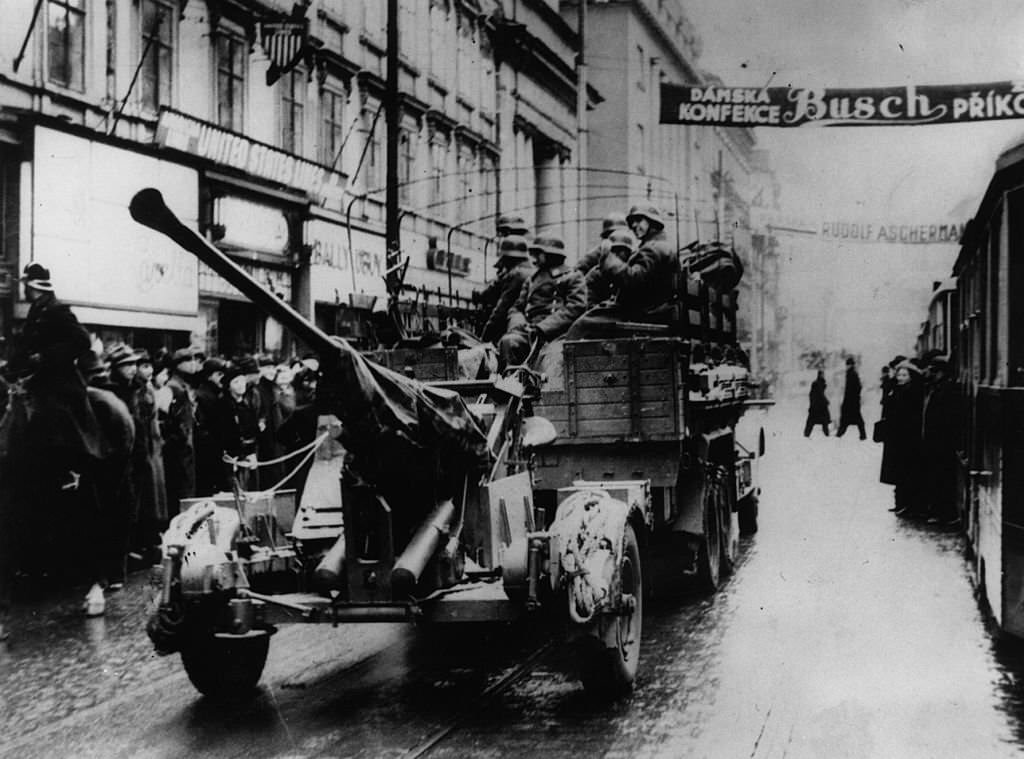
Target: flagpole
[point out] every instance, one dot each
(24, 44)
(392, 115)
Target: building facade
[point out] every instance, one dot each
(99, 98)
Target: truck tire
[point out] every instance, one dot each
(223, 666)
(746, 511)
(709, 554)
(608, 663)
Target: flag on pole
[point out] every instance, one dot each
(284, 42)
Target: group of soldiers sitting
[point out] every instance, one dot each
(629, 276)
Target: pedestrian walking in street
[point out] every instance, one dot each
(901, 454)
(849, 409)
(817, 410)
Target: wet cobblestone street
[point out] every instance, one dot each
(844, 633)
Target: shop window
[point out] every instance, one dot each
(332, 126)
(157, 20)
(65, 43)
(232, 58)
(293, 91)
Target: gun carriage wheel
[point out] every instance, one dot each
(608, 661)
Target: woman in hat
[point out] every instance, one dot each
(901, 454)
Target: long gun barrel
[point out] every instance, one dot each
(149, 209)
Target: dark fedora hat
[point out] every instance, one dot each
(37, 276)
(122, 354)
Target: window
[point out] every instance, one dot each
(231, 68)
(332, 126)
(641, 62)
(464, 182)
(373, 159)
(405, 162)
(641, 148)
(438, 158)
(111, 72)
(488, 196)
(65, 42)
(292, 88)
(156, 32)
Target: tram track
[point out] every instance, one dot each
(487, 697)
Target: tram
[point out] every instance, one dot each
(987, 331)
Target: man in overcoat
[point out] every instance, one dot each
(550, 301)
(849, 409)
(940, 428)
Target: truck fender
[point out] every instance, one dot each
(586, 542)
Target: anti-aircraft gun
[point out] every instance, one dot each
(439, 525)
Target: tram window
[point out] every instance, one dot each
(994, 299)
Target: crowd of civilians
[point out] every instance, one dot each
(196, 418)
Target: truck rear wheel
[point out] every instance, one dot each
(222, 666)
(709, 554)
(608, 662)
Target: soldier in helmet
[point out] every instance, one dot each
(644, 283)
(611, 223)
(515, 268)
(511, 224)
(601, 286)
(487, 300)
(548, 302)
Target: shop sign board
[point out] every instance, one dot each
(181, 132)
(341, 268)
(82, 231)
(251, 226)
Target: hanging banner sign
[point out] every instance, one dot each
(820, 107)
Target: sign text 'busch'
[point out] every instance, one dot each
(809, 106)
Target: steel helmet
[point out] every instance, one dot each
(513, 247)
(511, 224)
(622, 238)
(551, 246)
(612, 221)
(646, 211)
